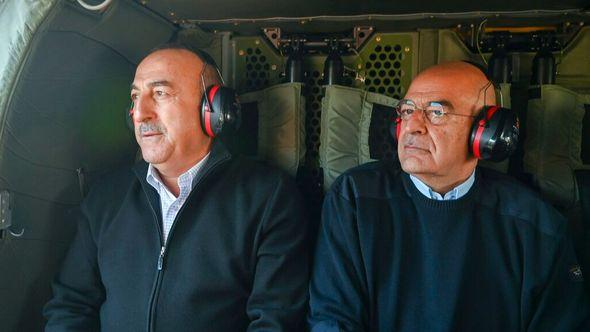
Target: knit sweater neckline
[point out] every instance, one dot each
(440, 205)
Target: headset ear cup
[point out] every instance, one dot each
(220, 111)
(230, 110)
(494, 134)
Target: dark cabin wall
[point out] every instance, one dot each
(65, 121)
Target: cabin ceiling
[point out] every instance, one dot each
(248, 17)
(256, 9)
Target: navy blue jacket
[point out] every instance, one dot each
(236, 256)
(391, 259)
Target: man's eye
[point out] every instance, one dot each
(437, 112)
(407, 111)
(133, 96)
(160, 93)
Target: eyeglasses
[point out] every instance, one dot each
(435, 111)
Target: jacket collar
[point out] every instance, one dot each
(218, 155)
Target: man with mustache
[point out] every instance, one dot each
(440, 244)
(192, 238)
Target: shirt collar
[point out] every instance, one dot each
(456, 193)
(188, 177)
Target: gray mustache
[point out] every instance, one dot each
(409, 139)
(412, 140)
(151, 127)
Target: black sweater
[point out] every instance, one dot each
(236, 256)
(391, 259)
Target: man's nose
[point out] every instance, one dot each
(415, 123)
(142, 109)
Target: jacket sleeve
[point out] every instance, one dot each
(338, 292)
(279, 296)
(77, 289)
(557, 301)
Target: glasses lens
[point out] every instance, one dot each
(405, 110)
(435, 113)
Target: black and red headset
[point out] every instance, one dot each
(494, 133)
(219, 108)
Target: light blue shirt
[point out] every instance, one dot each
(169, 203)
(457, 192)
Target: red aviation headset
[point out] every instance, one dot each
(220, 110)
(494, 133)
(219, 107)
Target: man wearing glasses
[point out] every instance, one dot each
(441, 245)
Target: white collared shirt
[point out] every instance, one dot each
(170, 204)
(456, 193)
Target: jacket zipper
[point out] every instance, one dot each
(158, 280)
(161, 258)
(162, 255)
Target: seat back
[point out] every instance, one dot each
(273, 126)
(354, 130)
(555, 131)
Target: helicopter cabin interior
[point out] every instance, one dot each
(318, 82)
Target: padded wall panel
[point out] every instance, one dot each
(125, 27)
(346, 123)
(281, 125)
(62, 120)
(20, 21)
(76, 118)
(553, 144)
